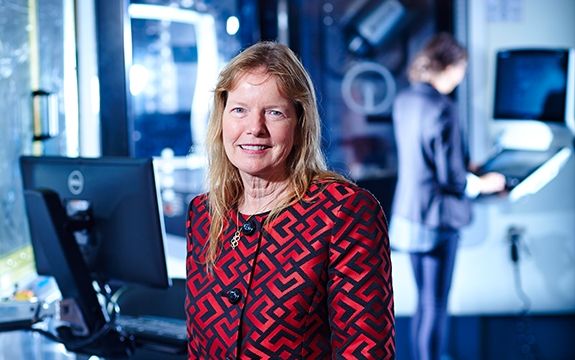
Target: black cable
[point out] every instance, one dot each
(75, 345)
(47, 334)
(514, 236)
(517, 280)
(111, 309)
(525, 337)
(520, 292)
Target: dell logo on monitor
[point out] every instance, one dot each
(76, 182)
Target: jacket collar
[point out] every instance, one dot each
(425, 88)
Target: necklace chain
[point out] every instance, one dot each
(236, 238)
(237, 234)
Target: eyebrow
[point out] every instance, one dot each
(285, 104)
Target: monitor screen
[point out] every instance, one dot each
(531, 85)
(118, 200)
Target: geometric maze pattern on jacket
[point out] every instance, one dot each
(315, 283)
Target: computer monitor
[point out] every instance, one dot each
(94, 220)
(534, 84)
(125, 241)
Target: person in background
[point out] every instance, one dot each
(432, 197)
(285, 259)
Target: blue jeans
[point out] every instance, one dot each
(433, 273)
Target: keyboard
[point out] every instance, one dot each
(155, 330)
(516, 165)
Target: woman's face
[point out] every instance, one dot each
(452, 76)
(258, 126)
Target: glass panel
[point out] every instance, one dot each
(174, 66)
(162, 81)
(177, 49)
(16, 130)
(32, 107)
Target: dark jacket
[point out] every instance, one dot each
(314, 284)
(432, 166)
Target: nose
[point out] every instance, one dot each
(257, 124)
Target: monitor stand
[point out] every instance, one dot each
(88, 328)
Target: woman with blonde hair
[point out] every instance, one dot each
(286, 259)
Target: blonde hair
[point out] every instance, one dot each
(305, 163)
(439, 52)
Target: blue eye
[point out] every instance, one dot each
(275, 113)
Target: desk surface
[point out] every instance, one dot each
(28, 345)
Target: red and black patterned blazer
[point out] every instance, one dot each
(315, 283)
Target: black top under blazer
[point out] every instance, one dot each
(432, 167)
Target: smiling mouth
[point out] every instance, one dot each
(254, 147)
